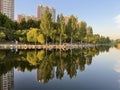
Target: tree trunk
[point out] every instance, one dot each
(60, 39)
(71, 41)
(46, 40)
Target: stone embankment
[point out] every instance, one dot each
(27, 46)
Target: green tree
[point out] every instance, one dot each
(71, 26)
(81, 31)
(62, 27)
(96, 38)
(89, 34)
(2, 36)
(5, 21)
(32, 57)
(30, 24)
(20, 35)
(46, 24)
(16, 25)
(32, 35)
(41, 39)
(23, 24)
(53, 35)
(41, 55)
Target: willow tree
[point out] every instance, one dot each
(71, 26)
(46, 24)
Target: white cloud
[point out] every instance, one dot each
(117, 20)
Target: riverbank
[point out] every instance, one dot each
(64, 47)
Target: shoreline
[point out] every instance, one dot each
(64, 47)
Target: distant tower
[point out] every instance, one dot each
(7, 8)
(41, 9)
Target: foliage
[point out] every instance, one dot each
(89, 34)
(20, 35)
(32, 35)
(81, 31)
(2, 36)
(41, 39)
(71, 26)
(45, 30)
(46, 24)
(61, 28)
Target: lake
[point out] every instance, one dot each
(96, 68)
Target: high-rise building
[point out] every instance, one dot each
(7, 8)
(41, 9)
(0, 5)
(66, 18)
(21, 16)
(7, 81)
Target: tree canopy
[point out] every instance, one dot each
(45, 30)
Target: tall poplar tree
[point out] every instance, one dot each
(89, 33)
(46, 24)
(62, 27)
(71, 26)
(81, 31)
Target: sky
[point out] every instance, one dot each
(102, 15)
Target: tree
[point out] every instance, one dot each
(53, 35)
(32, 58)
(30, 24)
(104, 40)
(2, 36)
(32, 35)
(16, 25)
(46, 24)
(41, 39)
(62, 27)
(33, 24)
(89, 34)
(96, 38)
(81, 31)
(41, 55)
(20, 35)
(23, 24)
(71, 26)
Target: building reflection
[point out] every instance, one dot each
(7, 81)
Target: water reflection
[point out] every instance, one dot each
(117, 67)
(7, 80)
(49, 64)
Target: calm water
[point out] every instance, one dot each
(82, 69)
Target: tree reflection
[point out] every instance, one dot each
(53, 64)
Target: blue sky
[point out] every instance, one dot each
(102, 15)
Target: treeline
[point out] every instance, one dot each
(45, 31)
